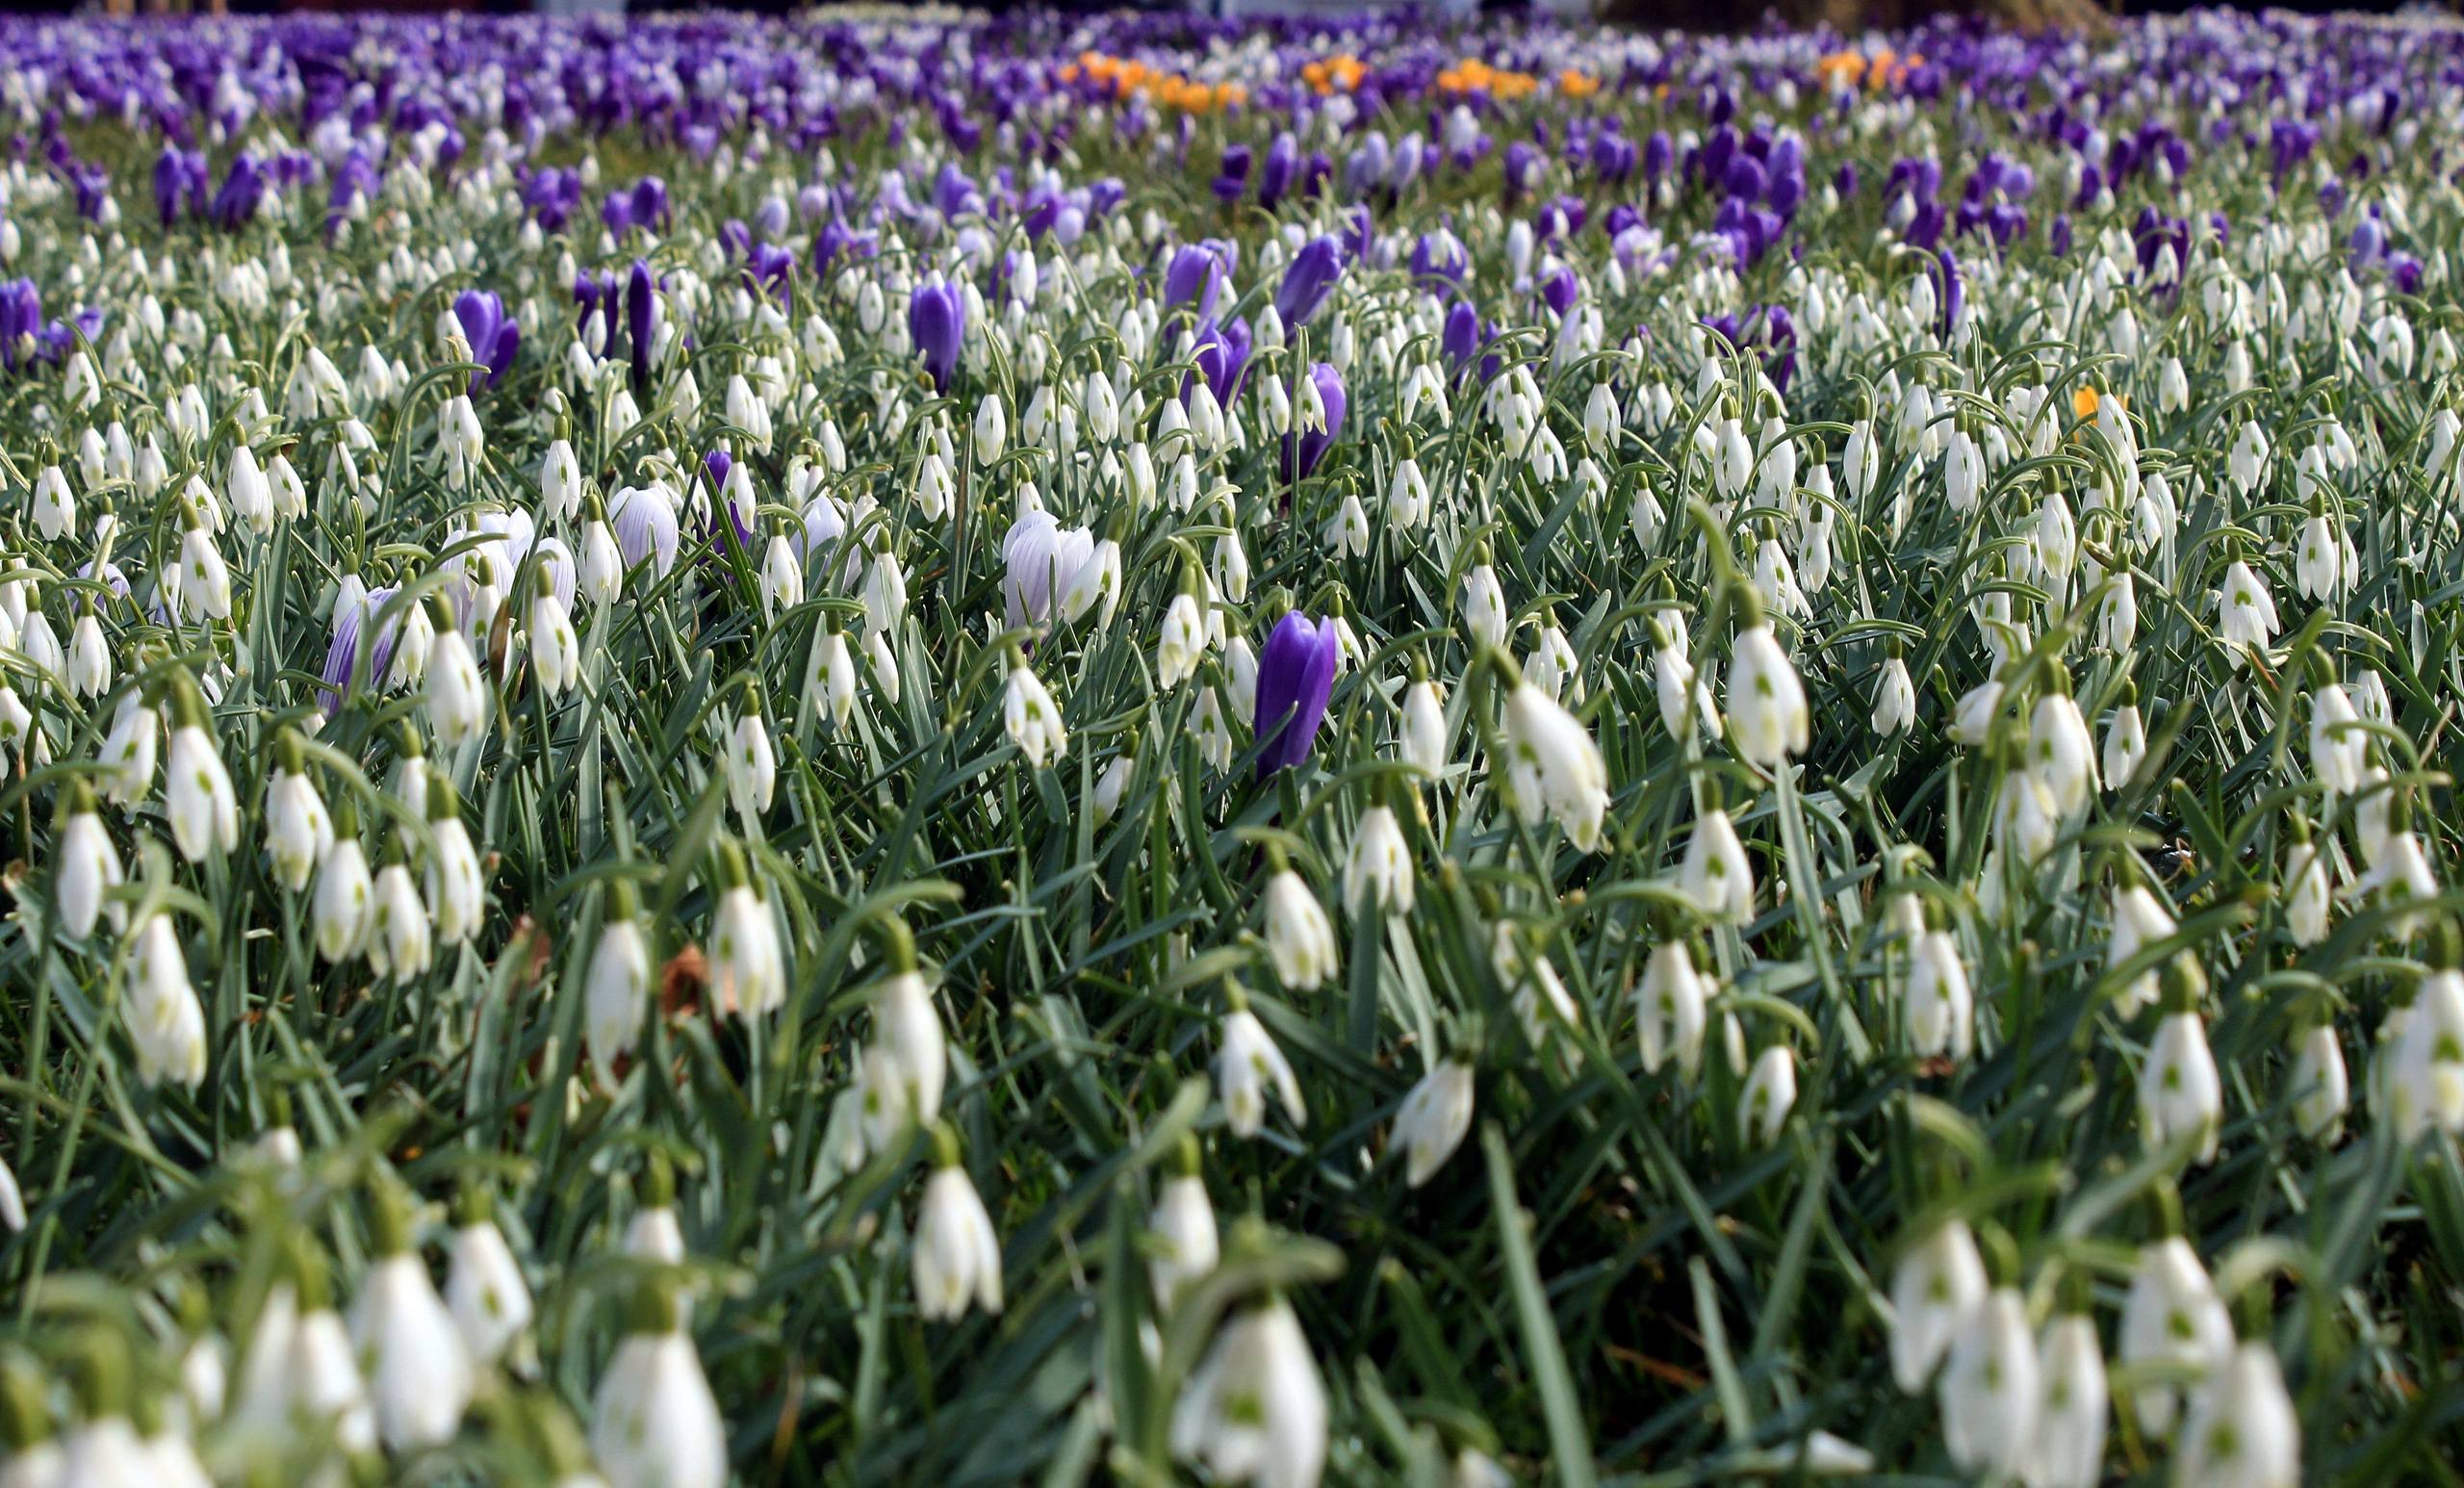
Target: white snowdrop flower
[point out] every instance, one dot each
(747, 973)
(1770, 1093)
(1183, 1224)
(1425, 741)
(89, 664)
(1552, 665)
(1989, 1388)
(653, 1421)
(2126, 741)
(1031, 717)
(1378, 865)
(830, 676)
(1942, 1017)
(1680, 691)
(2338, 748)
(1962, 472)
(1735, 465)
(455, 694)
(420, 1378)
(2243, 1433)
(2172, 386)
(1768, 717)
(1254, 1411)
(455, 892)
(752, 765)
(484, 1288)
(1973, 715)
(2061, 751)
(991, 429)
(561, 487)
(2067, 1449)
(2318, 558)
(2320, 1085)
(2139, 920)
(1671, 1009)
(196, 788)
(555, 651)
(1894, 699)
(200, 581)
(299, 833)
(398, 939)
(2172, 1316)
(159, 1008)
(85, 868)
(344, 894)
(246, 490)
(2179, 1090)
(2423, 1082)
(1483, 601)
(1211, 729)
(1183, 641)
(2117, 618)
(1113, 785)
(2246, 461)
(1936, 1283)
(603, 564)
(1433, 1119)
(1860, 462)
(907, 1061)
(1715, 873)
(1554, 767)
(617, 984)
(1250, 1071)
(1300, 940)
(957, 1258)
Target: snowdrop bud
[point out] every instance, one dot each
(1770, 1093)
(991, 429)
(1183, 1226)
(616, 987)
(1426, 741)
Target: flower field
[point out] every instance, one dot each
(908, 747)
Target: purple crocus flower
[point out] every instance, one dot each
(1222, 353)
(1232, 175)
(21, 317)
(1311, 446)
(1559, 290)
(171, 184)
(936, 323)
(243, 188)
(641, 321)
(718, 462)
(494, 336)
(1308, 281)
(1275, 178)
(1296, 677)
(345, 670)
(1954, 291)
(1194, 277)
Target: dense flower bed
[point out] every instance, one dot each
(958, 748)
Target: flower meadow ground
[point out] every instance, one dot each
(899, 747)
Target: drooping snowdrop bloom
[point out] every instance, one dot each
(1672, 1009)
(1989, 1388)
(1250, 1071)
(1554, 767)
(653, 1421)
(1377, 866)
(2244, 612)
(2322, 1086)
(1767, 713)
(1433, 1119)
(1894, 699)
(906, 1064)
(299, 833)
(455, 892)
(2423, 1081)
(399, 941)
(1300, 940)
(456, 696)
(1183, 1224)
(1942, 1016)
(1031, 717)
(2068, 1447)
(747, 973)
(1936, 1283)
(1715, 873)
(86, 865)
(1255, 1411)
(2059, 749)
(196, 788)
(484, 1288)
(1424, 740)
(2172, 1316)
(2179, 1090)
(1769, 1095)
(616, 987)
(956, 1256)
(2243, 1432)
(1483, 601)
(420, 1378)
